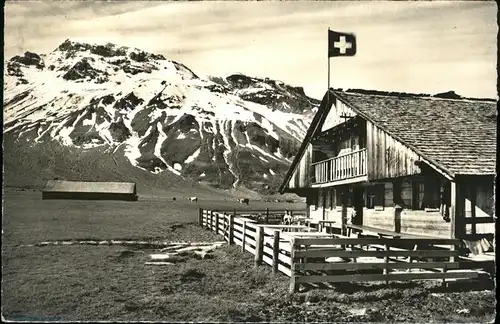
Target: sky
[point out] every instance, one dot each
(421, 47)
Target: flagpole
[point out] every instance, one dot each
(328, 56)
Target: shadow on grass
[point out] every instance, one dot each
(465, 286)
(352, 287)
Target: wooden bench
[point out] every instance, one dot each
(385, 233)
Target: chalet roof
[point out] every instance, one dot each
(457, 135)
(89, 187)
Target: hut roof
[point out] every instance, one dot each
(457, 134)
(89, 187)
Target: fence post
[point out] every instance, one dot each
(386, 263)
(293, 284)
(231, 229)
(344, 219)
(267, 215)
(211, 220)
(217, 223)
(200, 216)
(453, 248)
(243, 239)
(397, 219)
(276, 251)
(259, 245)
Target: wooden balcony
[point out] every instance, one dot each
(347, 168)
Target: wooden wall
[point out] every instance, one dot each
(301, 177)
(421, 222)
(418, 222)
(379, 218)
(387, 157)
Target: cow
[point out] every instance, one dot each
(173, 198)
(276, 200)
(243, 200)
(193, 199)
(287, 219)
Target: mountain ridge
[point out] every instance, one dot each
(237, 131)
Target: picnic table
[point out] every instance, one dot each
(325, 223)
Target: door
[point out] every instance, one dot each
(358, 204)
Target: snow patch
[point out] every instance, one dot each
(177, 167)
(272, 172)
(193, 156)
(262, 159)
(161, 138)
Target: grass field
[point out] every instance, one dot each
(104, 282)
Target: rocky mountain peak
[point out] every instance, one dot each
(223, 131)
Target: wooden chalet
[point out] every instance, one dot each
(406, 163)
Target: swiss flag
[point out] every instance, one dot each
(341, 44)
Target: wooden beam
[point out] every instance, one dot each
(361, 178)
(366, 240)
(373, 265)
(457, 210)
(293, 285)
(473, 197)
(330, 252)
(479, 220)
(388, 277)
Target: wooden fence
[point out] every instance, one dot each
(266, 216)
(316, 259)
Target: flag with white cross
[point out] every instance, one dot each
(341, 44)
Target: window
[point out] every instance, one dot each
(338, 196)
(355, 143)
(328, 197)
(333, 198)
(375, 196)
(349, 196)
(426, 194)
(396, 193)
(320, 198)
(312, 201)
(343, 195)
(389, 195)
(406, 194)
(418, 195)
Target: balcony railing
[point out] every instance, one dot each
(342, 167)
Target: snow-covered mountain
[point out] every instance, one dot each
(224, 131)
